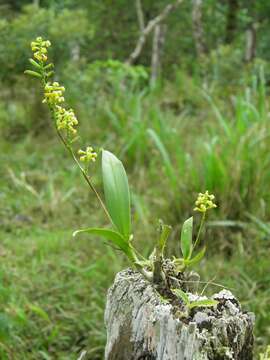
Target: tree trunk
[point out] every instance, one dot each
(233, 7)
(158, 43)
(141, 325)
(198, 32)
(75, 52)
(250, 43)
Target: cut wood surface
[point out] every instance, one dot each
(142, 325)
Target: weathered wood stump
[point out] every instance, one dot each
(142, 326)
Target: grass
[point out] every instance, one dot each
(53, 287)
(49, 280)
(52, 295)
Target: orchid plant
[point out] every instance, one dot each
(116, 206)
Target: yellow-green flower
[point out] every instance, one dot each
(39, 47)
(53, 93)
(88, 155)
(205, 202)
(65, 119)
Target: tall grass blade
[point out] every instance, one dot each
(165, 156)
(222, 121)
(260, 224)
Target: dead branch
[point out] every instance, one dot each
(140, 15)
(149, 28)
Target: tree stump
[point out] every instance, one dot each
(141, 325)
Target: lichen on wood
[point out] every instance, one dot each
(142, 325)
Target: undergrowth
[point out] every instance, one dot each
(53, 287)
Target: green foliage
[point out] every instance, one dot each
(16, 34)
(114, 75)
(196, 259)
(181, 295)
(202, 303)
(164, 234)
(99, 83)
(186, 238)
(116, 191)
(196, 303)
(170, 171)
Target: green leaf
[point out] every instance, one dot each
(165, 232)
(196, 258)
(186, 238)
(111, 235)
(116, 191)
(32, 73)
(203, 303)
(181, 295)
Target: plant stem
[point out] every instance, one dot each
(146, 274)
(86, 177)
(158, 274)
(199, 232)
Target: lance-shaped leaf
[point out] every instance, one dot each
(116, 191)
(116, 238)
(203, 303)
(186, 238)
(181, 295)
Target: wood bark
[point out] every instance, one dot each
(197, 23)
(158, 44)
(75, 52)
(142, 325)
(250, 43)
